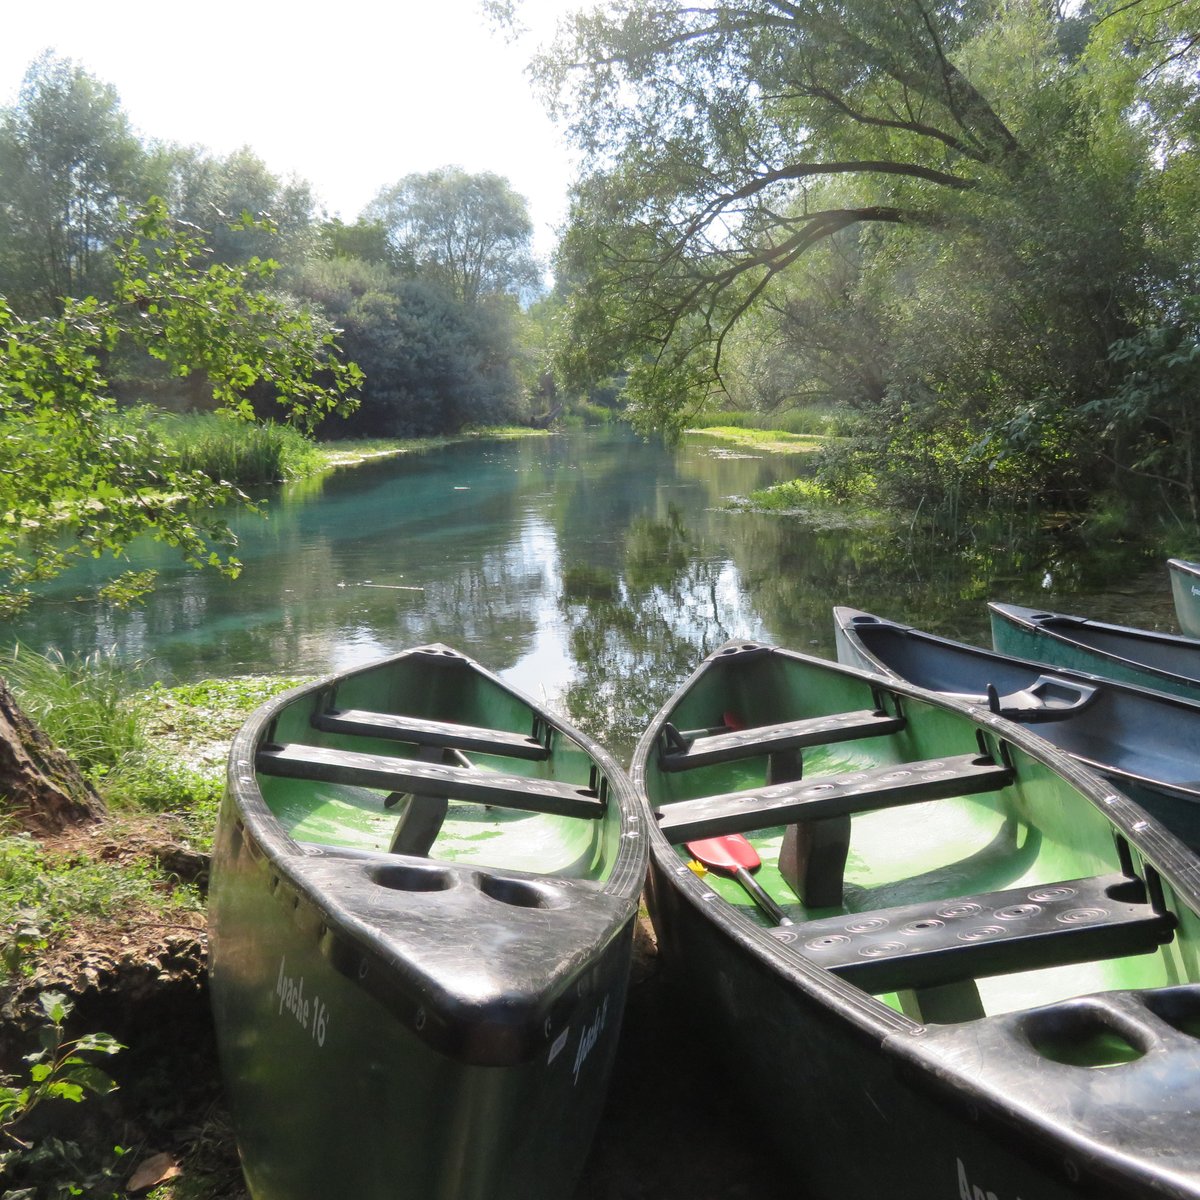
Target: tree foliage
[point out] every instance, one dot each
(68, 160)
(431, 363)
(469, 233)
(932, 211)
(75, 481)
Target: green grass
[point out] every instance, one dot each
(85, 705)
(815, 421)
(820, 508)
(44, 894)
(246, 453)
(157, 757)
(771, 440)
(348, 451)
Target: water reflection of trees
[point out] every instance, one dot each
(675, 582)
(598, 564)
(669, 602)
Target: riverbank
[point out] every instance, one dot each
(767, 441)
(351, 452)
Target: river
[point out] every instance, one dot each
(591, 569)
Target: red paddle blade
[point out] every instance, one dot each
(733, 720)
(725, 854)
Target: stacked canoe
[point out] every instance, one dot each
(1144, 741)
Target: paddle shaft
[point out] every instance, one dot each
(756, 893)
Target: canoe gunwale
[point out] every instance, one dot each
(576, 923)
(1055, 628)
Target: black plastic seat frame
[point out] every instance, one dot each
(823, 797)
(329, 765)
(943, 942)
(423, 732)
(682, 752)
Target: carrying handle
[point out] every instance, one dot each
(1048, 698)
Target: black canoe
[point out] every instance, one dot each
(1185, 588)
(1163, 661)
(989, 986)
(1146, 742)
(423, 895)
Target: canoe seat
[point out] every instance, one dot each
(328, 765)
(822, 797)
(682, 751)
(422, 732)
(945, 942)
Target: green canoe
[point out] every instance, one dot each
(423, 895)
(1164, 661)
(984, 981)
(1185, 588)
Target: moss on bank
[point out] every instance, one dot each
(770, 441)
(351, 451)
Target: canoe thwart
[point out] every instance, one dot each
(422, 732)
(971, 937)
(826, 796)
(327, 765)
(679, 752)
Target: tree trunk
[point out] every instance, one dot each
(39, 785)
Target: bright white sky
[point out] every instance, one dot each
(350, 96)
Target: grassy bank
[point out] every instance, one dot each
(770, 441)
(110, 917)
(349, 451)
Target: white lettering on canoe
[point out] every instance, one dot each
(969, 1191)
(590, 1035)
(310, 1013)
(559, 1046)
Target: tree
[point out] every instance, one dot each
(471, 234)
(432, 365)
(726, 140)
(212, 193)
(68, 161)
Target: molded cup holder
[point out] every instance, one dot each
(521, 893)
(1080, 1037)
(408, 877)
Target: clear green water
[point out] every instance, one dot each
(592, 570)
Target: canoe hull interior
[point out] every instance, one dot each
(966, 1064)
(1185, 588)
(396, 1025)
(1145, 742)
